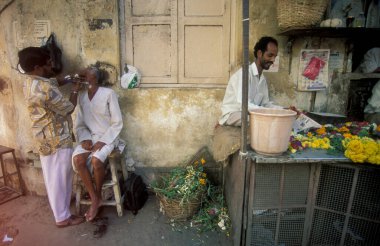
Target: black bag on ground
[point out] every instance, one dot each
(136, 193)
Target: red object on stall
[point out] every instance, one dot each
(313, 68)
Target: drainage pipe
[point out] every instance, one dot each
(244, 117)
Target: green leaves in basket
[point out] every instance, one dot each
(213, 215)
(183, 183)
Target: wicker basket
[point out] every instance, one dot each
(300, 13)
(177, 211)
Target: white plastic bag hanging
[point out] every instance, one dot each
(131, 79)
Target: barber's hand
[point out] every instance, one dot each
(86, 144)
(98, 146)
(77, 86)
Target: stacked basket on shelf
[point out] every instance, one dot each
(300, 13)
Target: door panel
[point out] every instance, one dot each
(203, 51)
(204, 8)
(178, 41)
(151, 8)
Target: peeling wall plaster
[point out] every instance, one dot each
(170, 125)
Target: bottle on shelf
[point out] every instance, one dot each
(360, 20)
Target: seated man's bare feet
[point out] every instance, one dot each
(93, 210)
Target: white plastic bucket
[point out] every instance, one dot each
(270, 130)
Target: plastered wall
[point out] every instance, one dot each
(162, 126)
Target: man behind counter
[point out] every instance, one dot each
(265, 52)
(227, 138)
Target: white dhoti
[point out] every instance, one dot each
(101, 154)
(58, 176)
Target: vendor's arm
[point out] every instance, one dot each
(264, 97)
(116, 120)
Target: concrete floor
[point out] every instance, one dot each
(29, 221)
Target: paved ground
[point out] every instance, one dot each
(29, 221)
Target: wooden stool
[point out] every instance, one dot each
(115, 164)
(6, 192)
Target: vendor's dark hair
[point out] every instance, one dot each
(32, 56)
(262, 44)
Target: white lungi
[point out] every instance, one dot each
(58, 176)
(101, 154)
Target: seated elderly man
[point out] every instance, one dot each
(97, 127)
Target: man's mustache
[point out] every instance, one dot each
(269, 63)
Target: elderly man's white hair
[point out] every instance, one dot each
(94, 71)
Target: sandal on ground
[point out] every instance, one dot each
(99, 221)
(100, 231)
(72, 220)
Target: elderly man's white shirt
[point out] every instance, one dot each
(99, 119)
(258, 95)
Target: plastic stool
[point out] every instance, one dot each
(6, 192)
(115, 164)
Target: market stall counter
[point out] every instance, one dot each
(305, 198)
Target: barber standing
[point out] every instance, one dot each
(50, 113)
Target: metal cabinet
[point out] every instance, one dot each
(312, 199)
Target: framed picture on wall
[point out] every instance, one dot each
(313, 71)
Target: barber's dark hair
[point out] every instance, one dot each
(262, 44)
(32, 56)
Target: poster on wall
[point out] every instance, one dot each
(336, 61)
(313, 74)
(38, 34)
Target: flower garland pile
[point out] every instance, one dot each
(354, 139)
